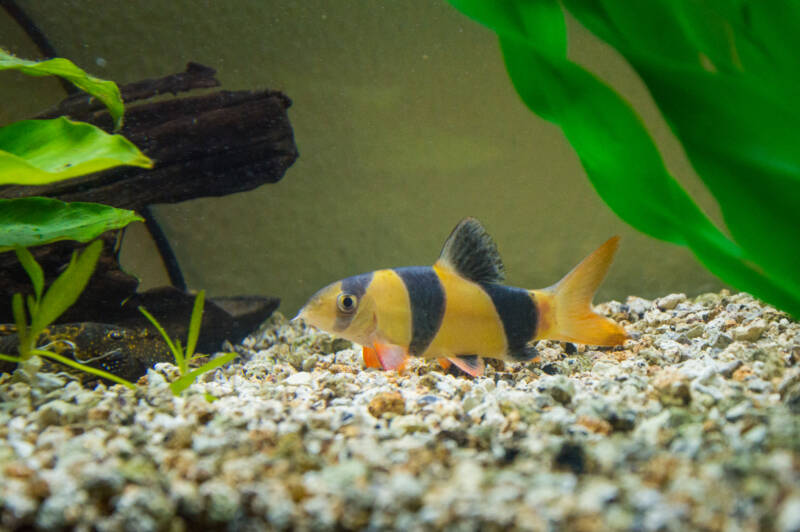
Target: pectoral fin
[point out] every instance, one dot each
(391, 356)
(370, 357)
(470, 364)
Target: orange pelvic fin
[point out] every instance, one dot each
(370, 357)
(470, 364)
(392, 356)
(573, 319)
(444, 362)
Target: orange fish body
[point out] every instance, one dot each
(458, 311)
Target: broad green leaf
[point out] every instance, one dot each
(186, 380)
(194, 324)
(770, 28)
(36, 221)
(37, 152)
(610, 140)
(105, 91)
(748, 159)
(738, 125)
(618, 154)
(33, 270)
(66, 289)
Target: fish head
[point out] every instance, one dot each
(344, 309)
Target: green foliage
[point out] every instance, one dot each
(36, 221)
(184, 357)
(38, 152)
(105, 91)
(724, 75)
(45, 309)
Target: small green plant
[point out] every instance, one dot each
(184, 356)
(44, 308)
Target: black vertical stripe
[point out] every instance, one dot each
(357, 286)
(426, 294)
(517, 312)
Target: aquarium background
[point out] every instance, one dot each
(405, 121)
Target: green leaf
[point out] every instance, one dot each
(37, 152)
(186, 380)
(616, 151)
(36, 221)
(32, 268)
(66, 289)
(194, 324)
(9, 358)
(18, 309)
(177, 352)
(33, 305)
(105, 91)
(737, 120)
(748, 159)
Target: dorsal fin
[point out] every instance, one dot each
(471, 252)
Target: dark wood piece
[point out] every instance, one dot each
(209, 145)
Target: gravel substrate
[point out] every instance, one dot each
(694, 424)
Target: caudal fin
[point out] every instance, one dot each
(574, 320)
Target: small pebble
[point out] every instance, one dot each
(382, 403)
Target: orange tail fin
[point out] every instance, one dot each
(572, 317)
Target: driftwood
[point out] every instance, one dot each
(209, 145)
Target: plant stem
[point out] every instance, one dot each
(87, 369)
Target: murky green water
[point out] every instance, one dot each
(405, 122)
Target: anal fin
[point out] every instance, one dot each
(470, 364)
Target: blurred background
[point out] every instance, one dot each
(405, 121)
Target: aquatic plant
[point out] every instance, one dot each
(185, 355)
(45, 307)
(724, 75)
(37, 152)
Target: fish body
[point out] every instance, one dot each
(458, 310)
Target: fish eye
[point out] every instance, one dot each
(115, 335)
(346, 302)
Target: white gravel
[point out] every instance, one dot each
(693, 424)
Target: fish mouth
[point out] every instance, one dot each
(299, 315)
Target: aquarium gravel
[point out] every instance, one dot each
(693, 423)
